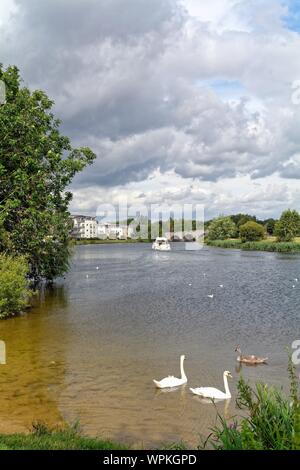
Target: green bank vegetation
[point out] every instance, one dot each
(272, 420)
(43, 438)
(265, 245)
(108, 241)
(14, 285)
(247, 233)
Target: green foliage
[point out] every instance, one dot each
(37, 164)
(252, 232)
(44, 438)
(14, 290)
(271, 423)
(107, 241)
(224, 243)
(272, 247)
(264, 245)
(269, 225)
(241, 219)
(222, 228)
(288, 226)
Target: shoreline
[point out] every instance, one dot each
(270, 246)
(264, 245)
(94, 241)
(41, 437)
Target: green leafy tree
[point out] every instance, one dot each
(288, 226)
(14, 289)
(241, 219)
(37, 164)
(252, 232)
(222, 228)
(270, 226)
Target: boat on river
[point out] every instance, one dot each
(161, 244)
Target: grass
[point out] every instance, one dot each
(272, 421)
(229, 243)
(269, 244)
(43, 438)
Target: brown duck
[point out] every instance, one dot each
(249, 359)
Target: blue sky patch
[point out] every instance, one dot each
(292, 20)
(226, 89)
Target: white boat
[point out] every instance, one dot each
(161, 244)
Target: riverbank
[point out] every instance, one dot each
(96, 241)
(265, 245)
(43, 438)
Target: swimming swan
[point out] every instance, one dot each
(214, 393)
(169, 382)
(249, 359)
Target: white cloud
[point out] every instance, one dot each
(7, 8)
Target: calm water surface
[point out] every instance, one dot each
(92, 345)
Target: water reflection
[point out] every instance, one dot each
(208, 401)
(181, 389)
(52, 295)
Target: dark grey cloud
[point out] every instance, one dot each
(129, 78)
(79, 22)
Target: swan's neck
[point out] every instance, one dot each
(227, 391)
(183, 376)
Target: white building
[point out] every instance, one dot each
(109, 230)
(88, 227)
(84, 227)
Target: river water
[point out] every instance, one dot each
(93, 343)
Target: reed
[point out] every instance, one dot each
(264, 245)
(272, 419)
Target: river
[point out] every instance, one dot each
(91, 346)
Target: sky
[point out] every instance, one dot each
(182, 100)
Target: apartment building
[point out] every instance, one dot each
(84, 227)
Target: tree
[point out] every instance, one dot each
(288, 226)
(241, 219)
(252, 232)
(221, 229)
(270, 225)
(14, 289)
(37, 164)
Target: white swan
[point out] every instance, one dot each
(169, 382)
(214, 393)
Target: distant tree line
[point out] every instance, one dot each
(244, 226)
(249, 228)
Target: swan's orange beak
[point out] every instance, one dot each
(229, 375)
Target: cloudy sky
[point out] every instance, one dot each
(182, 100)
